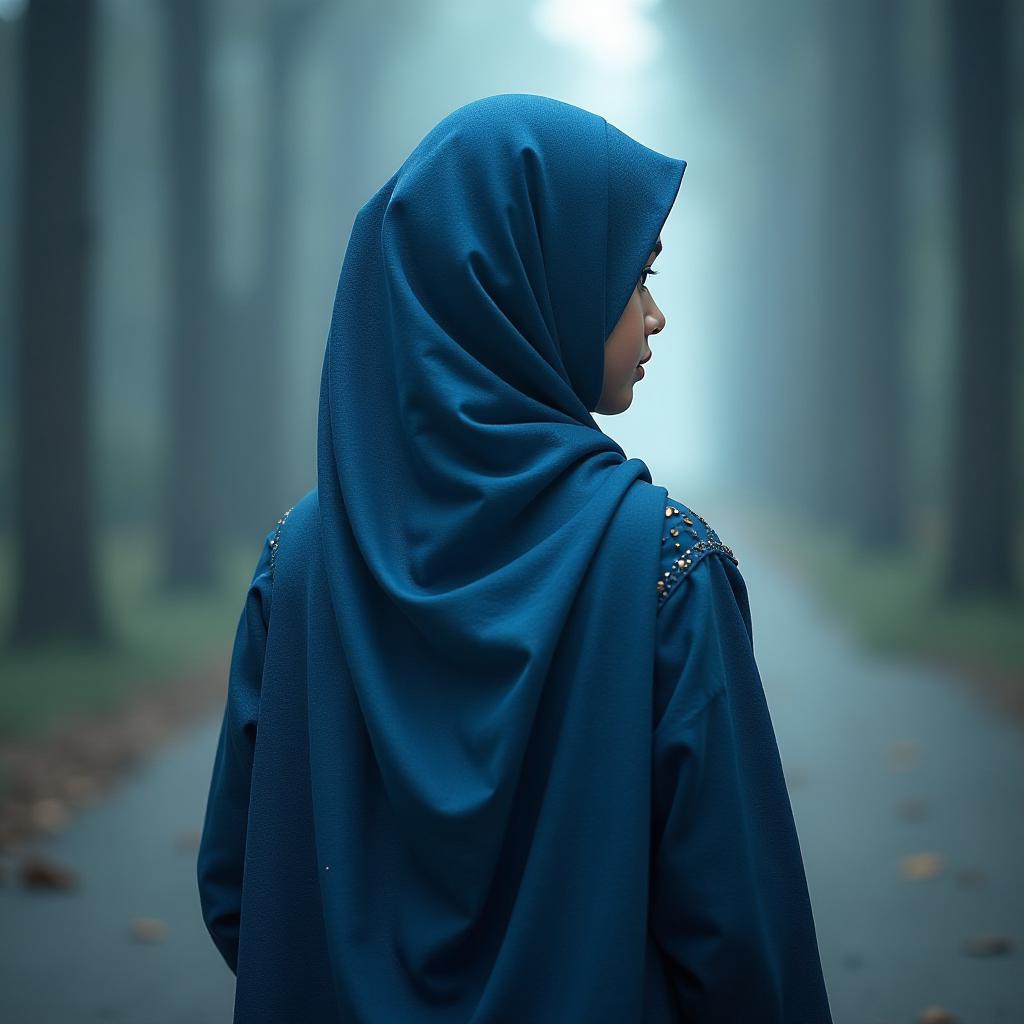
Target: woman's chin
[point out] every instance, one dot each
(620, 402)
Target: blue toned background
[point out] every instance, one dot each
(838, 390)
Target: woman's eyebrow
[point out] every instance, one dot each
(657, 247)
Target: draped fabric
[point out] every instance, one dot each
(488, 554)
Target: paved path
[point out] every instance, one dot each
(890, 946)
(70, 956)
(859, 735)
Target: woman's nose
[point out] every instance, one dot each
(656, 321)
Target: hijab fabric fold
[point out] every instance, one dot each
(491, 557)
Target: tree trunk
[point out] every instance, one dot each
(863, 451)
(983, 463)
(190, 506)
(57, 593)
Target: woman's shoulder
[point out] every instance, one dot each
(296, 521)
(686, 538)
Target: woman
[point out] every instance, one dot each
(495, 746)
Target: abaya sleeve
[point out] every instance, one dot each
(729, 899)
(222, 846)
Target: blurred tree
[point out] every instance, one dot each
(259, 436)
(984, 464)
(191, 499)
(56, 589)
(862, 420)
(320, 67)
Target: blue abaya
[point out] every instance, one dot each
(495, 749)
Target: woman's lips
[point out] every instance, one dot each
(640, 372)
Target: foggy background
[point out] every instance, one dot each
(838, 390)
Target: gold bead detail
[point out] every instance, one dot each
(683, 562)
(275, 542)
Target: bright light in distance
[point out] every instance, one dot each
(613, 33)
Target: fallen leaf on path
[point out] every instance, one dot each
(936, 1015)
(921, 865)
(39, 873)
(987, 945)
(149, 929)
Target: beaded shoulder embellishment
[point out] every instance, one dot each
(677, 521)
(275, 542)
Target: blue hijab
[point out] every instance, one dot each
(489, 561)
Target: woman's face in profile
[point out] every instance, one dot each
(626, 347)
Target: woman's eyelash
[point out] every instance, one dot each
(644, 273)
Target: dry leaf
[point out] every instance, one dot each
(38, 873)
(149, 929)
(921, 865)
(936, 1015)
(987, 945)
